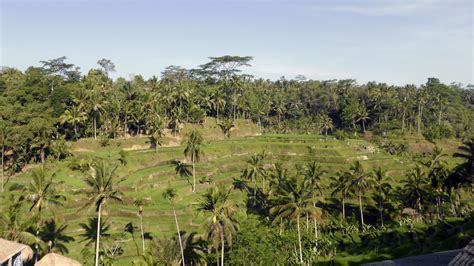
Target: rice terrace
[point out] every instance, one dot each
(133, 151)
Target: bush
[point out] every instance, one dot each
(80, 164)
(438, 132)
(104, 141)
(340, 135)
(394, 148)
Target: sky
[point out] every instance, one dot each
(394, 41)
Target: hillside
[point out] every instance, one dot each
(147, 174)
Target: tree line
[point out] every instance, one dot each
(44, 106)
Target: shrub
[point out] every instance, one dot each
(104, 141)
(340, 135)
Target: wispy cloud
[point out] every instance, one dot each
(388, 7)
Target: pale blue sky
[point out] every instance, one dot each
(393, 41)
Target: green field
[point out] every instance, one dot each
(147, 174)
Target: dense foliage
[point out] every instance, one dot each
(42, 105)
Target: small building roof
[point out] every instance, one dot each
(465, 257)
(9, 248)
(53, 259)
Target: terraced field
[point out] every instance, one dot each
(147, 174)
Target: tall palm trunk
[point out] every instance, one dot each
(75, 131)
(403, 120)
(420, 114)
(194, 176)
(360, 208)
(3, 164)
(315, 228)
(222, 247)
(98, 236)
(299, 238)
(343, 207)
(307, 223)
(381, 211)
(95, 127)
(179, 236)
(42, 155)
(419, 208)
(38, 225)
(143, 234)
(255, 193)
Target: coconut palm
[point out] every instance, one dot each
(140, 203)
(312, 176)
(415, 187)
(361, 182)
(292, 200)
(193, 150)
(14, 224)
(255, 170)
(362, 115)
(465, 171)
(42, 193)
(324, 122)
(101, 189)
(74, 116)
(382, 188)
(156, 128)
(169, 194)
(95, 105)
(341, 185)
(220, 223)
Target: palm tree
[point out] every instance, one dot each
(54, 235)
(100, 190)
(415, 187)
(279, 106)
(41, 192)
(381, 187)
(140, 203)
(14, 225)
(361, 182)
(466, 170)
(194, 150)
(74, 116)
(342, 185)
(362, 115)
(156, 127)
(255, 170)
(95, 109)
(219, 102)
(312, 176)
(324, 122)
(220, 222)
(293, 199)
(169, 194)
